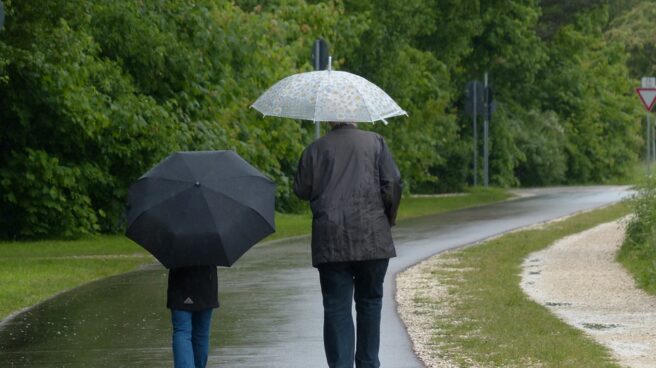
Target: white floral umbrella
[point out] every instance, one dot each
(327, 95)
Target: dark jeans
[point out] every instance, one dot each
(341, 282)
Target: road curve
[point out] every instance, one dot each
(271, 314)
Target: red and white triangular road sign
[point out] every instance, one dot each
(647, 96)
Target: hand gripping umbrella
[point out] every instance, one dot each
(200, 208)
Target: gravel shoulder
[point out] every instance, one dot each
(579, 281)
(413, 286)
(576, 278)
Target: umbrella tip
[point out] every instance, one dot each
(330, 63)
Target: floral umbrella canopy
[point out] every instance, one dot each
(327, 95)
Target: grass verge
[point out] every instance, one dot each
(486, 319)
(33, 271)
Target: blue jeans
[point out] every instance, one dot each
(191, 337)
(338, 282)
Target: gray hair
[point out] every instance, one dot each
(334, 124)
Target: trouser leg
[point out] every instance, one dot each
(200, 336)
(368, 281)
(183, 356)
(338, 331)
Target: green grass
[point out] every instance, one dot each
(107, 245)
(421, 206)
(640, 261)
(488, 318)
(29, 281)
(33, 271)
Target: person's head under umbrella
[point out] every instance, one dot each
(335, 124)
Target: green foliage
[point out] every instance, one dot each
(96, 99)
(542, 144)
(93, 93)
(76, 124)
(638, 252)
(61, 205)
(591, 93)
(508, 47)
(505, 154)
(636, 30)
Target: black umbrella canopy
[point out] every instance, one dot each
(200, 208)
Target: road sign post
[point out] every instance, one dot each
(320, 62)
(2, 15)
(647, 94)
(486, 130)
(475, 105)
(480, 101)
(475, 129)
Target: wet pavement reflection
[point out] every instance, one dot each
(271, 313)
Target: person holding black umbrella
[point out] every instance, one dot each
(194, 211)
(354, 189)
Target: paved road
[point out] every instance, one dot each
(271, 313)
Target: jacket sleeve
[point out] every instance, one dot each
(391, 185)
(303, 177)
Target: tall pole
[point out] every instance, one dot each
(653, 137)
(485, 137)
(649, 84)
(317, 66)
(475, 135)
(648, 135)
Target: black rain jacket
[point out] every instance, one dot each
(354, 189)
(193, 288)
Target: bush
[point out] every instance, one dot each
(638, 251)
(42, 197)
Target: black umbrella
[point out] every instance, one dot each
(200, 208)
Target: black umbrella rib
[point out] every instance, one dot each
(239, 177)
(273, 228)
(238, 202)
(209, 211)
(165, 198)
(157, 204)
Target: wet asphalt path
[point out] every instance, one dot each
(271, 313)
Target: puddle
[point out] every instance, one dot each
(600, 326)
(557, 304)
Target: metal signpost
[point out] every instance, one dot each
(647, 94)
(479, 101)
(474, 106)
(2, 15)
(486, 129)
(320, 62)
